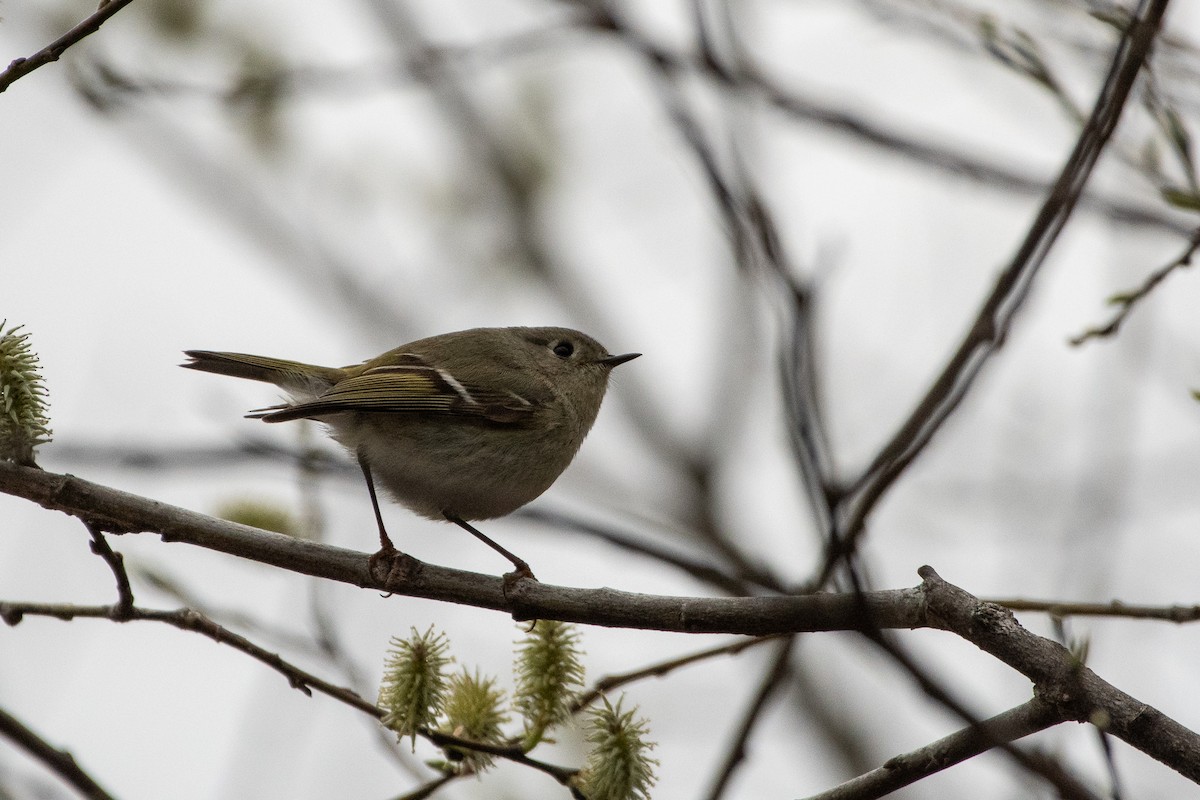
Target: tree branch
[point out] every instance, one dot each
(121, 512)
(115, 562)
(21, 67)
(906, 769)
(1059, 679)
(60, 762)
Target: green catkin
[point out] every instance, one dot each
(24, 423)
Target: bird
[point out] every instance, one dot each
(462, 426)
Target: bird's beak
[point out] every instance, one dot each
(612, 361)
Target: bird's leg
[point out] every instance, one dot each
(395, 564)
(522, 568)
(385, 543)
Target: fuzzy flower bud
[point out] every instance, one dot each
(23, 421)
(414, 682)
(549, 672)
(474, 710)
(618, 768)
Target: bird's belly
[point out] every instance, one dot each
(436, 470)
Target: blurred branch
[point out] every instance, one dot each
(310, 79)
(1110, 762)
(1127, 300)
(772, 681)
(501, 174)
(126, 455)
(21, 67)
(340, 80)
(422, 792)
(846, 731)
(741, 583)
(662, 668)
(756, 247)
(61, 762)
(799, 368)
(991, 325)
(917, 148)
(801, 391)
(292, 239)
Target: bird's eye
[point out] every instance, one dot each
(563, 349)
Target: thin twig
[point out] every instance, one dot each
(508, 751)
(21, 67)
(610, 682)
(116, 562)
(1128, 300)
(189, 620)
(58, 761)
(1114, 608)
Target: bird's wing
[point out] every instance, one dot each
(408, 389)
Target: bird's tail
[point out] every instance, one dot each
(292, 376)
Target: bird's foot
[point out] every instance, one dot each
(521, 573)
(389, 566)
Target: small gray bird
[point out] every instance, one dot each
(463, 426)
